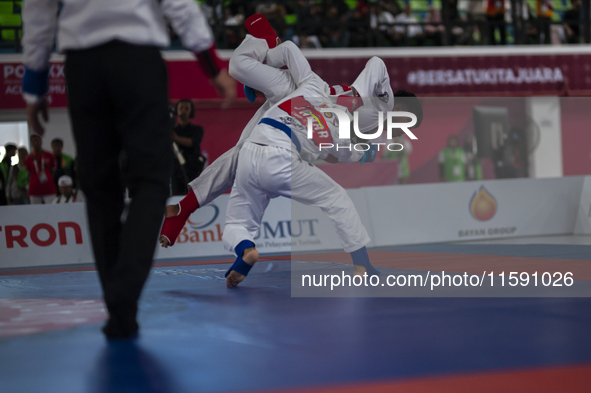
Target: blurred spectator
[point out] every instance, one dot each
(452, 161)
(332, 29)
(40, 165)
(381, 23)
(476, 14)
(530, 25)
(511, 159)
(435, 31)
(473, 165)
(544, 13)
(357, 29)
(5, 167)
(232, 20)
(411, 34)
(64, 164)
(187, 137)
(392, 6)
(18, 181)
(276, 15)
(67, 195)
(233, 29)
(495, 15)
(309, 23)
(458, 35)
(402, 158)
(570, 21)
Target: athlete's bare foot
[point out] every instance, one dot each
(250, 256)
(170, 211)
(360, 270)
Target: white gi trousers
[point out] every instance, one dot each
(218, 177)
(266, 172)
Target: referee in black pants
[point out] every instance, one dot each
(118, 103)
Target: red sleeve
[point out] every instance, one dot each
(209, 62)
(50, 161)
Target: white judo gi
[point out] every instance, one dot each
(246, 66)
(270, 164)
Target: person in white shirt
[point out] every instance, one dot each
(378, 15)
(118, 102)
(67, 195)
(413, 31)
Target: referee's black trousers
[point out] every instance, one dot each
(118, 102)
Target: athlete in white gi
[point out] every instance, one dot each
(246, 66)
(275, 161)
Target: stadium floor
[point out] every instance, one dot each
(199, 336)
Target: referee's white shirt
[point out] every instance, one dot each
(84, 24)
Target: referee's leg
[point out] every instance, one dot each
(138, 86)
(98, 149)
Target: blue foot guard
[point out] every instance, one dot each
(239, 265)
(360, 257)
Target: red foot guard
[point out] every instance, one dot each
(173, 225)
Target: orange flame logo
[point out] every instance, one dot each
(483, 205)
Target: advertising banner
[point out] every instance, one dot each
(49, 235)
(44, 235)
(519, 75)
(441, 73)
(473, 210)
(12, 80)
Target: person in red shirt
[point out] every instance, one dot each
(40, 165)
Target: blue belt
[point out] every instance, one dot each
(283, 127)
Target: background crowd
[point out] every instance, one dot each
(385, 23)
(39, 176)
(42, 176)
(363, 23)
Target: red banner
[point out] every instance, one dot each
(518, 75)
(186, 80)
(482, 75)
(12, 80)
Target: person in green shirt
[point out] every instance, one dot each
(473, 164)
(18, 181)
(5, 166)
(402, 158)
(14, 179)
(64, 164)
(452, 161)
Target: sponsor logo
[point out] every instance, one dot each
(286, 233)
(487, 232)
(196, 229)
(483, 206)
(42, 235)
(291, 122)
(201, 227)
(207, 215)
